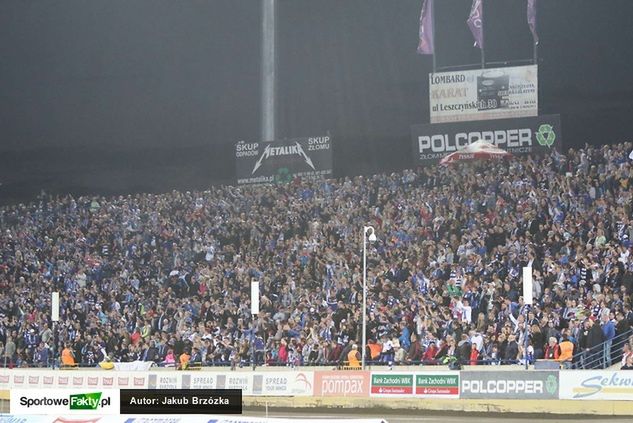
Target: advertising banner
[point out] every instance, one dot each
(534, 135)
(342, 383)
(236, 380)
(509, 385)
(199, 380)
(437, 385)
(484, 94)
(596, 385)
(159, 380)
(74, 379)
(283, 383)
(283, 160)
(391, 384)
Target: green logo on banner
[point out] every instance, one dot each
(546, 135)
(551, 384)
(85, 401)
(283, 176)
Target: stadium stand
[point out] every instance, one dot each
(165, 278)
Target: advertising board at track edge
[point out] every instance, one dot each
(578, 385)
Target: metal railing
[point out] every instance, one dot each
(247, 363)
(602, 356)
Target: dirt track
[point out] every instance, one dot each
(406, 416)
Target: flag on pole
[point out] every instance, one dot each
(476, 22)
(531, 18)
(427, 31)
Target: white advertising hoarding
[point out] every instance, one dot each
(596, 385)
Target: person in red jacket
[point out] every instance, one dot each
(474, 355)
(429, 355)
(552, 351)
(283, 352)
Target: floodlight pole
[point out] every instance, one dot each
(269, 70)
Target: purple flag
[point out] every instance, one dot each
(476, 22)
(427, 35)
(531, 18)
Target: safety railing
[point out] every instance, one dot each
(603, 355)
(339, 364)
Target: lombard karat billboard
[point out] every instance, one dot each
(484, 94)
(521, 136)
(283, 160)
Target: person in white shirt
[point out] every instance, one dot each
(477, 340)
(467, 312)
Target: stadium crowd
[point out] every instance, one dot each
(166, 278)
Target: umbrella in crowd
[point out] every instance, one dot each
(479, 150)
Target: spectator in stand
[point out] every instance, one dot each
(608, 330)
(184, 360)
(68, 358)
(9, 353)
(170, 358)
(416, 351)
(430, 353)
(512, 350)
(354, 357)
(595, 339)
(552, 351)
(374, 350)
(474, 355)
(42, 355)
(628, 365)
(388, 352)
(566, 352)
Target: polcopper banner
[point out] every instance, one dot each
(483, 94)
(509, 385)
(534, 135)
(283, 160)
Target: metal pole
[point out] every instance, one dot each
(253, 355)
(269, 70)
(54, 342)
(434, 52)
(365, 295)
(483, 37)
(535, 53)
(527, 335)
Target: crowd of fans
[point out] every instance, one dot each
(166, 278)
